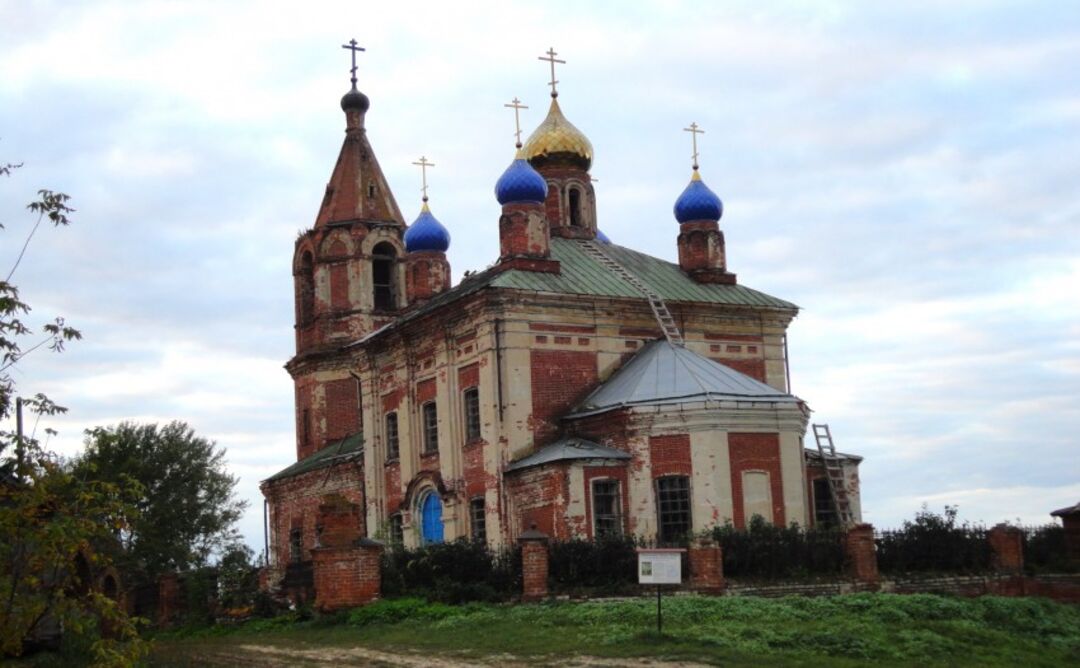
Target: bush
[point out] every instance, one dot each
(1045, 550)
(934, 543)
(766, 551)
(454, 572)
(607, 565)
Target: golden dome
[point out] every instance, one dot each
(557, 141)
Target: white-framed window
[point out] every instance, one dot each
(606, 508)
(430, 417)
(673, 508)
(471, 401)
(393, 446)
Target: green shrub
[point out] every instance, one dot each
(766, 551)
(934, 543)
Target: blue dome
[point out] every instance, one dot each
(697, 202)
(601, 237)
(520, 183)
(426, 233)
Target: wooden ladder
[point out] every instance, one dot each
(656, 303)
(834, 473)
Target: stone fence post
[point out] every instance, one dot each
(534, 565)
(862, 554)
(1007, 548)
(347, 576)
(706, 566)
(169, 603)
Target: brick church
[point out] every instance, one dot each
(575, 385)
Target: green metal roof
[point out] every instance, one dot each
(347, 448)
(583, 275)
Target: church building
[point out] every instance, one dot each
(576, 386)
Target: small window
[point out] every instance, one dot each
(431, 428)
(305, 427)
(477, 525)
(472, 414)
(574, 197)
(305, 285)
(824, 509)
(397, 530)
(607, 520)
(371, 189)
(673, 507)
(392, 447)
(296, 546)
(383, 258)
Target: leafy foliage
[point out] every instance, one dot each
(453, 572)
(1045, 550)
(187, 509)
(934, 543)
(607, 565)
(767, 551)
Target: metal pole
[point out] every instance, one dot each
(659, 613)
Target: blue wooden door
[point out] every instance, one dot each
(431, 519)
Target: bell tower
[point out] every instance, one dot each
(349, 278)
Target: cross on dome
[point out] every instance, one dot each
(551, 53)
(423, 164)
(694, 131)
(351, 46)
(516, 105)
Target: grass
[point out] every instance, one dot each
(837, 631)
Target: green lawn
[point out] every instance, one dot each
(837, 631)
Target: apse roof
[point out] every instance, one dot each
(347, 448)
(581, 274)
(662, 373)
(566, 449)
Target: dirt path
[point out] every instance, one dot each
(274, 657)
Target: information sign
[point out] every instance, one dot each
(659, 567)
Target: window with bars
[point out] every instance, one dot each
(472, 414)
(296, 546)
(607, 520)
(431, 428)
(397, 530)
(673, 507)
(392, 446)
(477, 527)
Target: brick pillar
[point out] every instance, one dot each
(169, 603)
(534, 565)
(861, 554)
(706, 566)
(347, 576)
(1007, 545)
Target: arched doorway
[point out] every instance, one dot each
(431, 523)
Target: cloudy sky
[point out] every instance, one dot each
(907, 173)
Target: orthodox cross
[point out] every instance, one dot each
(423, 164)
(552, 59)
(694, 131)
(517, 106)
(351, 46)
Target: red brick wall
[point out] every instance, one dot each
(342, 409)
(306, 424)
(670, 455)
(346, 577)
(755, 368)
(539, 497)
(469, 376)
(392, 480)
(560, 379)
(294, 502)
(425, 391)
(534, 569)
(339, 287)
(756, 452)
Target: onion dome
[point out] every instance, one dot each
(557, 141)
(601, 237)
(520, 183)
(354, 99)
(697, 202)
(426, 233)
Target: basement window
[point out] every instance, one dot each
(472, 414)
(605, 503)
(673, 508)
(431, 428)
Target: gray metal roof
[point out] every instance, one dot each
(662, 373)
(566, 449)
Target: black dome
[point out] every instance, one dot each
(354, 99)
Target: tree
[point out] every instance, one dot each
(187, 508)
(55, 529)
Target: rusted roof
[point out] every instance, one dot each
(566, 449)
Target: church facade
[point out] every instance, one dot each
(576, 386)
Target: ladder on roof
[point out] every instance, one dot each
(834, 473)
(656, 303)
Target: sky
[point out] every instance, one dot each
(907, 173)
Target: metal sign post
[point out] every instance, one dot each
(659, 566)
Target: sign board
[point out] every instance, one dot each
(659, 566)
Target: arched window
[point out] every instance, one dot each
(574, 200)
(109, 588)
(305, 288)
(431, 523)
(383, 258)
